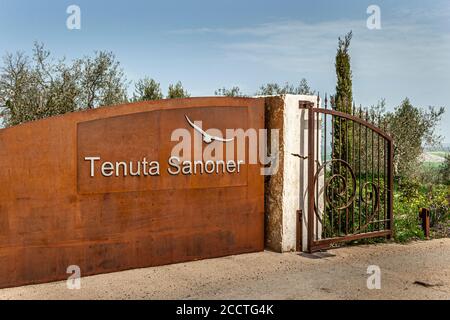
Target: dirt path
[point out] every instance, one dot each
(338, 274)
(430, 157)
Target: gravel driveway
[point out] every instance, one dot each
(420, 270)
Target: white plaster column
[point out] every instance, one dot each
(286, 193)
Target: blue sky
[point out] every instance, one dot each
(210, 44)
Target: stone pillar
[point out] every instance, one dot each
(286, 191)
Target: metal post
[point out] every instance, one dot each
(308, 105)
(310, 176)
(299, 227)
(424, 214)
(391, 188)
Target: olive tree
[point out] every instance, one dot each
(147, 89)
(177, 91)
(274, 88)
(39, 86)
(233, 92)
(36, 88)
(102, 81)
(411, 128)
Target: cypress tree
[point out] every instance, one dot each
(343, 99)
(342, 140)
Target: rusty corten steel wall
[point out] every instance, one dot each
(52, 214)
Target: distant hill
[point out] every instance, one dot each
(443, 147)
(433, 156)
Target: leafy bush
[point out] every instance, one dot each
(406, 219)
(412, 195)
(444, 172)
(438, 203)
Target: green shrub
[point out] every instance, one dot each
(409, 197)
(406, 219)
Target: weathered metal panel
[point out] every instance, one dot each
(53, 215)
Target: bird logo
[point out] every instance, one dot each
(207, 138)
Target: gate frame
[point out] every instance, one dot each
(317, 245)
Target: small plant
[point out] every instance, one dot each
(406, 222)
(411, 195)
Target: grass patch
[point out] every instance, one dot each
(431, 165)
(441, 154)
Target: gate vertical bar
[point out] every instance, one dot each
(316, 166)
(391, 187)
(310, 176)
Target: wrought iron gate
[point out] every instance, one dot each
(350, 176)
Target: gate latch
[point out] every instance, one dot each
(299, 156)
